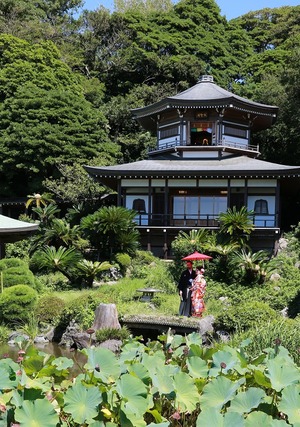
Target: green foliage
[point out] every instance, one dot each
(18, 250)
(237, 224)
(89, 270)
(61, 259)
(49, 309)
(245, 315)
(74, 185)
(260, 337)
(18, 276)
(4, 333)
(81, 309)
(157, 384)
(124, 261)
(54, 281)
(111, 230)
(253, 267)
(159, 277)
(12, 262)
(112, 334)
(17, 304)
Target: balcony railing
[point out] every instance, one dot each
(218, 143)
(204, 220)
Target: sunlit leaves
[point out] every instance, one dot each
(39, 413)
(82, 402)
(290, 403)
(218, 392)
(282, 373)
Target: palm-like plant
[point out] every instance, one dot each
(237, 224)
(61, 259)
(253, 265)
(62, 234)
(111, 229)
(46, 214)
(196, 238)
(90, 269)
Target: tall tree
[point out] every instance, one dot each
(44, 117)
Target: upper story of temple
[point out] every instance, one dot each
(205, 121)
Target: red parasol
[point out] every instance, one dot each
(196, 256)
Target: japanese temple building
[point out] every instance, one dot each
(203, 163)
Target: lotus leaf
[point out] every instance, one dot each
(103, 362)
(163, 382)
(290, 404)
(197, 367)
(222, 357)
(244, 401)
(151, 362)
(219, 391)
(132, 351)
(82, 402)
(140, 371)
(62, 363)
(261, 419)
(212, 417)
(282, 373)
(164, 424)
(134, 394)
(195, 350)
(7, 381)
(194, 338)
(187, 395)
(39, 413)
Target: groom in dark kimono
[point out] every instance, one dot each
(184, 284)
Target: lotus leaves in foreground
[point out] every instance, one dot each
(39, 413)
(82, 402)
(212, 417)
(290, 404)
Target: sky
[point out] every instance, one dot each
(230, 8)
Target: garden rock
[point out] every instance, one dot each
(16, 334)
(106, 316)
(71, 331)
(206, 327)
(113, 345)
(41, 339)
(275, 277)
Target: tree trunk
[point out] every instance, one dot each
(106, 316)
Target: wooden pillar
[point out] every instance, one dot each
(149, 202)
(119, 192)
(166, 203)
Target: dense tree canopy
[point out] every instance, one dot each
(68, 81)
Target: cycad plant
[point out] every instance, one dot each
(253, 266)
(237, 224)
(90, 270)
(61, 259)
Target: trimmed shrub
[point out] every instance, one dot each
(12, 262)
(55, 281)
(18, 276)
(49, 309)
(112, 334)
(17, 304)
(245, 315)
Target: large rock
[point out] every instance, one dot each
(106, 316)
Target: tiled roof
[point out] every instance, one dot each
(234, 165)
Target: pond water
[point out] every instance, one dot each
(51, 348)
